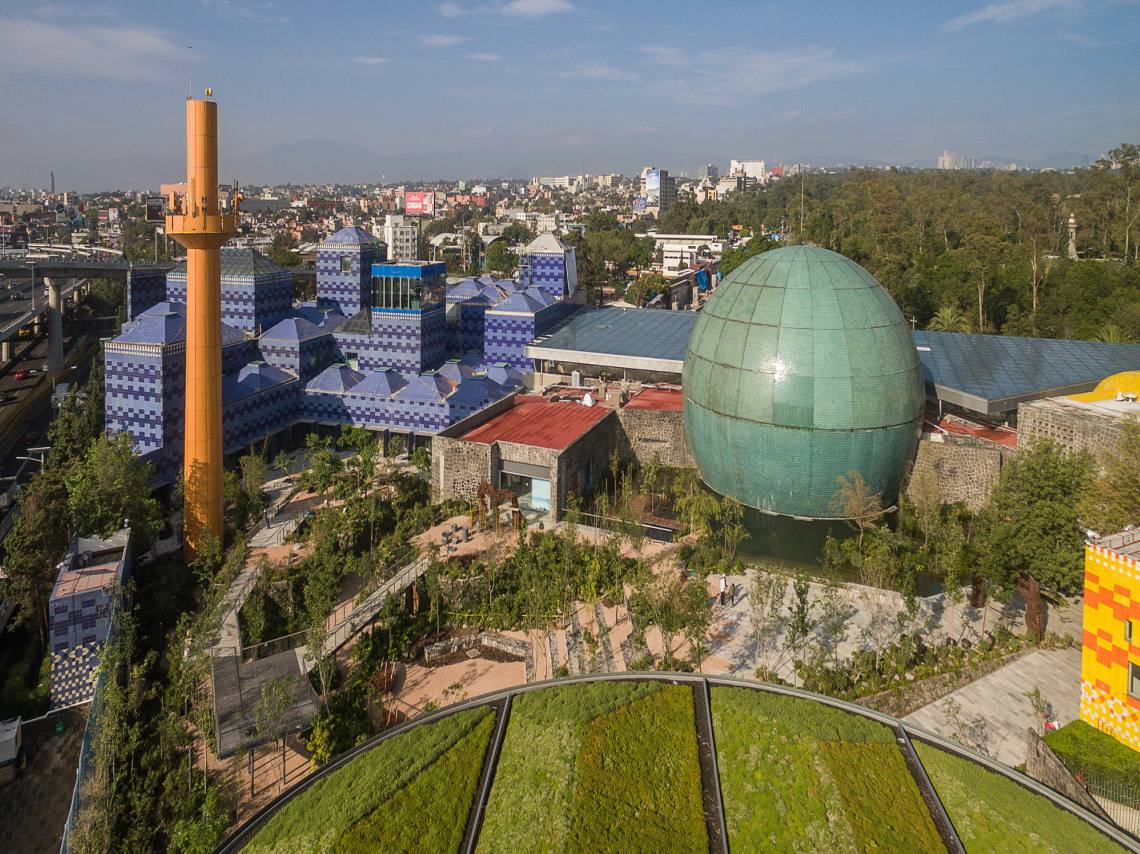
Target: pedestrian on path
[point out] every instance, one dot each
(723, 587)
(732, 594)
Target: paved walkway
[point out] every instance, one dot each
(994, 711)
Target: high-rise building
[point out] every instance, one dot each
(712, 172)
(402, 236)
(950, 160)
(658, 188)
(754, 169)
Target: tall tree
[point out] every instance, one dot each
(111, 486)
(1032, 538)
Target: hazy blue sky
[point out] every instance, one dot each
(94, 90)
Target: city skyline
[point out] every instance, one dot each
(555, 87)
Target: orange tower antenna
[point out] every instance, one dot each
(196, 221)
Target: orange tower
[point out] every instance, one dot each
(196, 220)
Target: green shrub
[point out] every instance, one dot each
(800, 776)
(1087, 751)
(317, 818)
(992, 813)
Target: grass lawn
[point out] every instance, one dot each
(994, 814)
(800, 776)
(598, 767)
(365, 805)
(1096, 755)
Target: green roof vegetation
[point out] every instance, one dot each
(992, 813)
(413, 794)
(1095, 755)
(598, 767)
(800, 776)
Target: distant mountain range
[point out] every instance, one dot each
(321, 160)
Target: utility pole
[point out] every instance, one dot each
(800, 166)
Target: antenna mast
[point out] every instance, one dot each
(190, 61)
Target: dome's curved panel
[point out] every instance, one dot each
(801, 369)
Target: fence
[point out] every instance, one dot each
(1120, 800)
(660, 533)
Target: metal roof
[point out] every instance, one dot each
(994, 373)
(632, 338)
(239, 262)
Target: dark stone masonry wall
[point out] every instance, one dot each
(655, 433)
(459, 467)
(966, 472)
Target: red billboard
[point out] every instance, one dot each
(419, 203)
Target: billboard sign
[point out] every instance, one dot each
(653, 187)
(419, 203)
(154, 212)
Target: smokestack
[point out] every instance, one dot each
(196, 221)
(53, 184)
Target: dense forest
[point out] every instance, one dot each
(990, 246)
(959, 250)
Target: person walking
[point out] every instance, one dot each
(723, 587)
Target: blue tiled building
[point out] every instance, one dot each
(386, 346)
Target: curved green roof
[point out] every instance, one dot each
(667, 762)
(800, 370)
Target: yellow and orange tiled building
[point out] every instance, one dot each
(1110, 654)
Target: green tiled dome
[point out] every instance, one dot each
(800, 369)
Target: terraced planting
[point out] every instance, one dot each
(800, 776)
(991, 813)
(413, 793)
(598, 767)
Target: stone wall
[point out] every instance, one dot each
(1071, 426)
(459, 467)
(1044, 766)
(656, 433)
(966, 472)
(582, 465)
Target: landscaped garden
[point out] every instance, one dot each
(800, 776)
(413, 793)
(991, 813)
(1095, 756)
(598, 767)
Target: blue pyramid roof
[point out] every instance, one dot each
(540, 295)
(505, 375)
(327, 317)
(259, 375)
(165, 323)
(429, 386)
(296, 329)
(476, 392)
(520, 302)
(468, 287)
(455, 370)
(335, 379)
(350, 235)
(380, 383)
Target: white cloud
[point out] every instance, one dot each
(442, 40)
(63, 10)
(484, 57)
(598, 71)
(664, 55)
(119, 53)
(1004, 12)
(535, 8)
(511, 8)
(369, 60)
(257, 12)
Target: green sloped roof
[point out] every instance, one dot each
(800, 369)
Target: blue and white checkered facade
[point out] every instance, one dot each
(274, 373)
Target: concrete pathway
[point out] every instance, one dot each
(994, 711)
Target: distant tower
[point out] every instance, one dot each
(1072, 238)
(196, 221)
(53, 185)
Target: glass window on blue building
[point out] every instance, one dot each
(346, 263)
